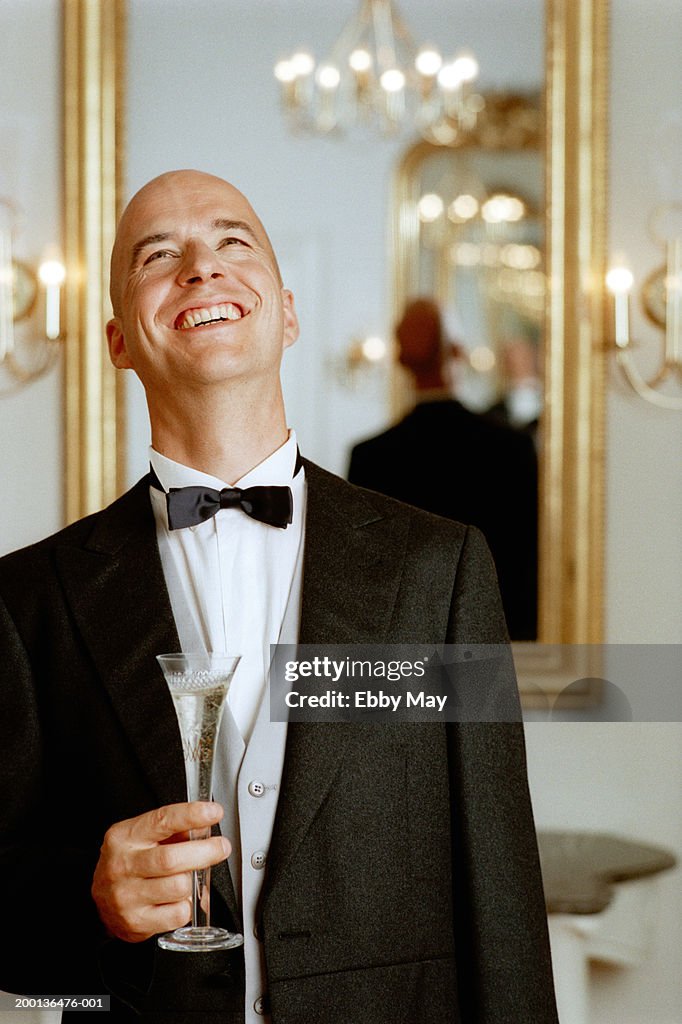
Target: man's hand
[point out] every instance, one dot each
(143, 880)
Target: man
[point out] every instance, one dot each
(445, 459)
(396, 878)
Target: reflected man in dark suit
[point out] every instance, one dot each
(443, 458)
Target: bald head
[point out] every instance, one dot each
(153, 213)
(420, 336)
(423, 347)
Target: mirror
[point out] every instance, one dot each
(573, 228)
(469, 233)
(546, 159)
(469, 230)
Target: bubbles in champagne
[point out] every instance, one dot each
(199, 698)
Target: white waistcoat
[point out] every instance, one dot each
(246, 781)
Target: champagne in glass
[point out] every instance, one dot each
(198, 684)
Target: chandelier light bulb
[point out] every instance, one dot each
(428, 62)
(328, 77)
(464, 207)
(516, 209)
(500, 208)
(302, 63)
(392, 80)
(430, 207)
(285, 71)
(467, 67)
(520, 257)
(360, 60)
(449, 77)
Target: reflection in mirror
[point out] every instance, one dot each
(469, 228)
(478, 249)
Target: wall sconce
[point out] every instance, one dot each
(27, 350)
(662, 301)
(361, 359)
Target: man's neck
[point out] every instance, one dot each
(426, 395)
(223, 439)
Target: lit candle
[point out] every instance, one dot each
(619, 281)
(52, 274)
(673, 302)
(6, 295)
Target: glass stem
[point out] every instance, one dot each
(201, 887)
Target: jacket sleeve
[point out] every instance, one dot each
(44, 882)
(500, 922)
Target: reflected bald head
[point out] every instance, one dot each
(166, 200)
(420, 336)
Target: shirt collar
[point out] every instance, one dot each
(276, 469)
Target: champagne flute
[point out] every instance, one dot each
(198, 684)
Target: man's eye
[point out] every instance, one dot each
(232, 240)
(159, 254)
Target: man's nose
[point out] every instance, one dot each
(199, 263)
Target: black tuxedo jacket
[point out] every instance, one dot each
(447, 460)
(402, 881)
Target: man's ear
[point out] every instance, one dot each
(291, 329)
(118, 353)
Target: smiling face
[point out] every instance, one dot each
(196, 290)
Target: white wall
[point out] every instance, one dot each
(31, 463)
(644, 548)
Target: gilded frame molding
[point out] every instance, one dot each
(572, 462)
(94, 154)
(572, 472)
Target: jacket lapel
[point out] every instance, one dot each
(117, 592)
(351, 581)
(351, 576)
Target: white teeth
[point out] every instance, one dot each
(223, 311)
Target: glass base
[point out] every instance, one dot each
(200, 940)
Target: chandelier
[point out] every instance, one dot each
(375, 76)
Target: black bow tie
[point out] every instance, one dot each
(189, 506)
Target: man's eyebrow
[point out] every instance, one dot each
(221, 223)
(144, 242)
(230, 225)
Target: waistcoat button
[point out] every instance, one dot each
(261, 1005)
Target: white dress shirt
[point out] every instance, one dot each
(229, 578)
(233, 582)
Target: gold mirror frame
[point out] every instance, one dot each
(94, 155)
(572, 477)
(572, 470)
